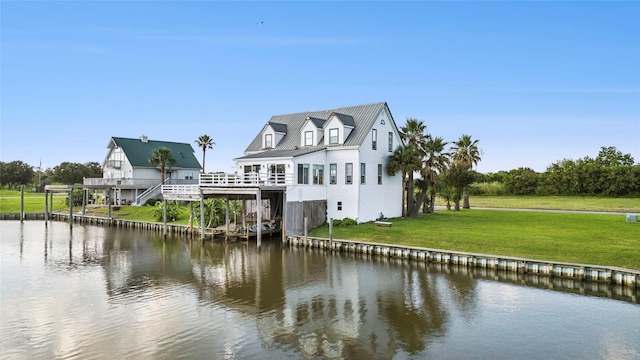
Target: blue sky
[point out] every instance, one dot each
(534, 82)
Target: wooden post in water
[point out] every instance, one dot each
(259, 218)
(190, 218)
(164, 216)
(331, 233)
(306, 229)
(227, 219)
(84, 201)
(51, 202)
(109, 203)
(21, 203)
(71, 207)
(46, 208)
(201, 216)
(283, 222)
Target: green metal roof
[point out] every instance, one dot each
(139, 152)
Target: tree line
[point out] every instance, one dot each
(432, 167)
(16, 173)
(610, 173)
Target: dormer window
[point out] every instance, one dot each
(308, 138)
(333, 136)
(268, 141)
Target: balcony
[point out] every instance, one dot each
(133, 183)
(251, 179)
(115, 164)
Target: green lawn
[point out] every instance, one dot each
(577, 238)
(33, 202)
(584, 203)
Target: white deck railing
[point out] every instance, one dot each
(251, 179)
(181, 189)
(139, 183)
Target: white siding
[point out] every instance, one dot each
(386, 198)
(307, 192)
(347, 194)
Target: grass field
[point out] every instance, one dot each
(583, 203)
(33, 202)
(565, 237)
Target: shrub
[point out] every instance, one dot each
(151, 202)
(78, 198)
(344, 222)
(173, 211)
(487, 188)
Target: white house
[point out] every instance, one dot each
(126, 167)
(331, 159)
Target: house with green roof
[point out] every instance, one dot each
(126, 167)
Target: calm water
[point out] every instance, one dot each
(97, 293)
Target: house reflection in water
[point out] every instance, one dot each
(318, 303)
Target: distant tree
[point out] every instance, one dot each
(204, 142)
(610, 156)
(458, 177)
(163, 157)
(16, 173)
(522, 181)
(74, 173)
(466, 152)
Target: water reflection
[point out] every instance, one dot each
(109, 291)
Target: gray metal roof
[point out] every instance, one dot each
(346, 119)
(361, 117)
(317, 122)
(280, 153)
(277, 127)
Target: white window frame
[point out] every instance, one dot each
(334, 138)
(303, 174)
(308, 138)
(318, 174)
(333, 174)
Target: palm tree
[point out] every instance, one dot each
(466, 152)
(405, 159)
(205, 142)
(414, 132)
(435, 162)
(414, 135)
(162, 156)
